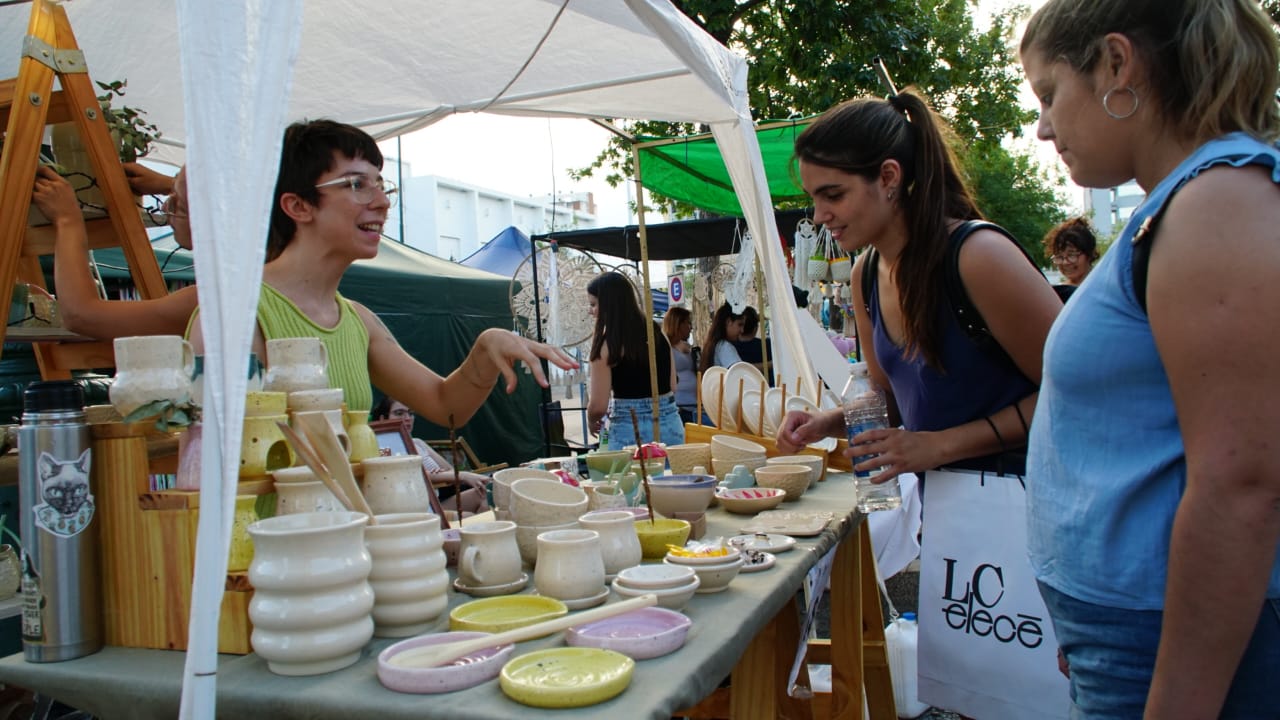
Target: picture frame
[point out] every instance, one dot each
(394, 438)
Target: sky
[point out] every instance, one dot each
(531, 157)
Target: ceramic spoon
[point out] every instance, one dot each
(437, 655)
(309, 457)
(317, 430)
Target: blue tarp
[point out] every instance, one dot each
(501, 255)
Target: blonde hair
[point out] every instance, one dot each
(1213, 63)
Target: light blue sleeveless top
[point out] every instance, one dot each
(1106, 467)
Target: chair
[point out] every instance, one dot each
(468, 461)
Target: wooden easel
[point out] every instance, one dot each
(27, 104)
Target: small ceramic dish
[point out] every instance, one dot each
(673, 598)
(483, 591)
(715, 578)
(498, 614)
(757, 560)
(465, 672)
(566, 677)
(765, 542)
(695, 560)
(749, 501)
(640, 634)
(655, 577)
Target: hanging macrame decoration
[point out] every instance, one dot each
(806, 239)
(736, 293)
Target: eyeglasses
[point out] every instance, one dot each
(363, 189)
(1068, 256)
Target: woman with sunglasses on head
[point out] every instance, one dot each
(1153, 477)
(330, 206)
(1073, 249)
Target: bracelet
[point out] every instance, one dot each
(999, 438)
(1025, 427)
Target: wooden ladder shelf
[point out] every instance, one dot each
(27, 104)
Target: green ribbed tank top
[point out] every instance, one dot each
(347, 343)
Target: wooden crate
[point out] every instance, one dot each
(148, 546)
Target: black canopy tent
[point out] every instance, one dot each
(678, 240)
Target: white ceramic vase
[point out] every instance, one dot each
(409, 580)
(299, 363)
(619, 544)
(150, 368)
(395, 484)
(312, 600)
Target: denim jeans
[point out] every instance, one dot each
(622, 433)
(1112, 654)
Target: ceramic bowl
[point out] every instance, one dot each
(714, 578)
(600, 464)
(673, 598)
(541, 501)
(656, 535)
(467, 671)
(792, 478)
(722, 466)
(503, 479)
(749, 501)
(641, 513)
(730, 447)
(816, 463)
(684, 458)
(527, 539)
(695, 560)
(655, 577)
(681, 493)
(640, 634)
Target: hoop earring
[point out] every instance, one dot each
(1106, 100)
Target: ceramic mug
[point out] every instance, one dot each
(298, 363)
(488, 555)
(570, 565)
(150, 368)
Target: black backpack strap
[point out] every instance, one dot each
(966, 313)
(868, 277)
(1142, 241)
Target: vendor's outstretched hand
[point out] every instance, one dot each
(799, 428)
(54, 196)
(145, 181)
(503, 349)
(896, 451)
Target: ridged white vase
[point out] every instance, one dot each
(409, 580)
(312, 600)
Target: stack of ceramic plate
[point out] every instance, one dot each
(673, 584)
(714, 572)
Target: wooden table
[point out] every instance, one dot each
(751, 630)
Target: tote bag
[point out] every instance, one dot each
(986, 647)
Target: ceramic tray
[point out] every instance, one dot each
(641, 634)
(566, 677)
(797, 523)
(498, 614)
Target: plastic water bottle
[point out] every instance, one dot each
(900, 640)
(865, 408)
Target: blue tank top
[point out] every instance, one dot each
(1106, 468)
(975, 384)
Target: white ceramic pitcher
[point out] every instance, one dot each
(150, 368)
(299, 363)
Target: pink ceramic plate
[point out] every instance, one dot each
(640, 634)
(465, 672)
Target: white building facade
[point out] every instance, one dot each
(1109, 208)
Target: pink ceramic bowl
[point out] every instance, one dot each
(640, 634)
(465, 672)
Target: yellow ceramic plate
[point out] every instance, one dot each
(499, 614)
(566, 677)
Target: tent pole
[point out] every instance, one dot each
(648, 296)
(544, 407)
(763, 298)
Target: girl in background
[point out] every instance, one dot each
(676, 325)
(717, 348)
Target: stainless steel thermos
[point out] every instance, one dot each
(61, 590)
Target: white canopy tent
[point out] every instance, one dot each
(222, 79)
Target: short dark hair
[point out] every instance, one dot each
(750, 321)
(307, 153)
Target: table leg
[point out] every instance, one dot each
(858, 655)
(759, 684)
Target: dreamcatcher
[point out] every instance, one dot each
(632, 273)
(557, 298)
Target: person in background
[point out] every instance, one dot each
(81, 309)
(439, 471)
(329, 208)
(676, 325)
(1073, 249)
(718, 349)
(619, 358)
(880, 173)
(1153, 480)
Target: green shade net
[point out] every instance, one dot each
(435, 309)
(691, 169)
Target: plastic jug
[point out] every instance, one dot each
(900, 641)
